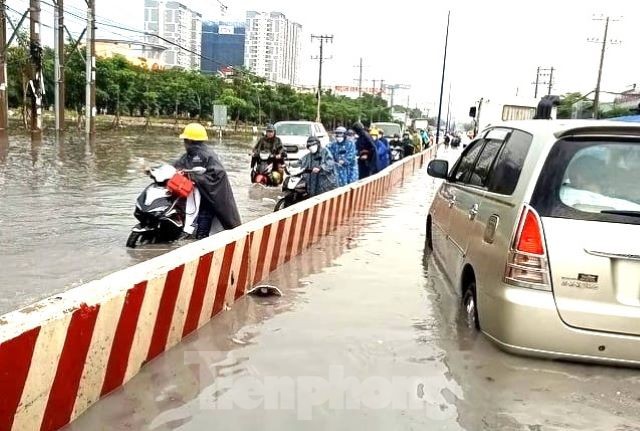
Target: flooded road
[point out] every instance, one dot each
(66, 209)
(368, 335)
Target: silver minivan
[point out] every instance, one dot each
(538, 225)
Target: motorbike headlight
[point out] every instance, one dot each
(159, 209)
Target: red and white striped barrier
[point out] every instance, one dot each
(60, 355)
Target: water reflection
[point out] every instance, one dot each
(67, 205)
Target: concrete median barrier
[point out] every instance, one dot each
(62, 354)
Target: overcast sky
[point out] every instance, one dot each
(495, 46)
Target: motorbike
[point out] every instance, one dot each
(397, 152)
(160, 208)
(294, 190)
(263, 173)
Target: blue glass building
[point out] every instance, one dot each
(223, 45)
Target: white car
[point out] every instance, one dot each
(294, 135)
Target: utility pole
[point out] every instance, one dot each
(541, 73)
(448, 111)
(381, 87)
(321, 59)
(444, 67)
(58, 36)
(360, 78)
(4, 103)
(36, 85)
(392, 90)
(90, 101)
(603, 41)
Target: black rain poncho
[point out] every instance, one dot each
(213, 185)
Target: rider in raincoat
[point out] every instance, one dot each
(217, 201)
(343, 151)
(319, 167)
(366, 148)
(382, 150)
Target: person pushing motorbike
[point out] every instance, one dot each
(217, 200)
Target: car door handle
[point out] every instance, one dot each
(473, 211)
(452, 201)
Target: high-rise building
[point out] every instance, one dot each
(272, 46)
(222, 45)
(173, 21)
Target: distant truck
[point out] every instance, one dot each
(420, 123)
(490, 111)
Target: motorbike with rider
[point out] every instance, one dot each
(268, 159)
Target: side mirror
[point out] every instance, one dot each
(473, 111)
(438, 168)
(198, 170)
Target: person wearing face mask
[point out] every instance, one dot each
(382, 149)
(319, 168)
(343, 151)
(217, 202)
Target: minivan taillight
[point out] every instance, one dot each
(527, 264)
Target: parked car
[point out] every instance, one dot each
(538, 226)
(294, 134)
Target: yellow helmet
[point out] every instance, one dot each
(374, 132)
(195, 132)
(276, 177)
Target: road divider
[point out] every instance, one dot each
(61, 355)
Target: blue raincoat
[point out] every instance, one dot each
(383, 152)
(326, 179)
(346, 159)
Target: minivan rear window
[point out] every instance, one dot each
(591, 179)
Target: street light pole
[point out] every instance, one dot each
(444, 66)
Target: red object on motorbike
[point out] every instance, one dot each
(180, 185)
(260, 179)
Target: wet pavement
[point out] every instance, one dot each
(368, 335)
(66, 208)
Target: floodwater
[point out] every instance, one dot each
(368, 335)
(66, 208)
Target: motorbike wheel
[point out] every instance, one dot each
(132, 241)
(282, 203)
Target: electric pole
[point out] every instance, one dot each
(90, 102)
(58, 36)
(392, 90)
(321, 59)
(4, 103)
(603, 41)
(542, 73)
(360, 78)
(444, 67)
(36, 84)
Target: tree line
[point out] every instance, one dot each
(123, 88)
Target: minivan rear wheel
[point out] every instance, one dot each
(470, 306)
